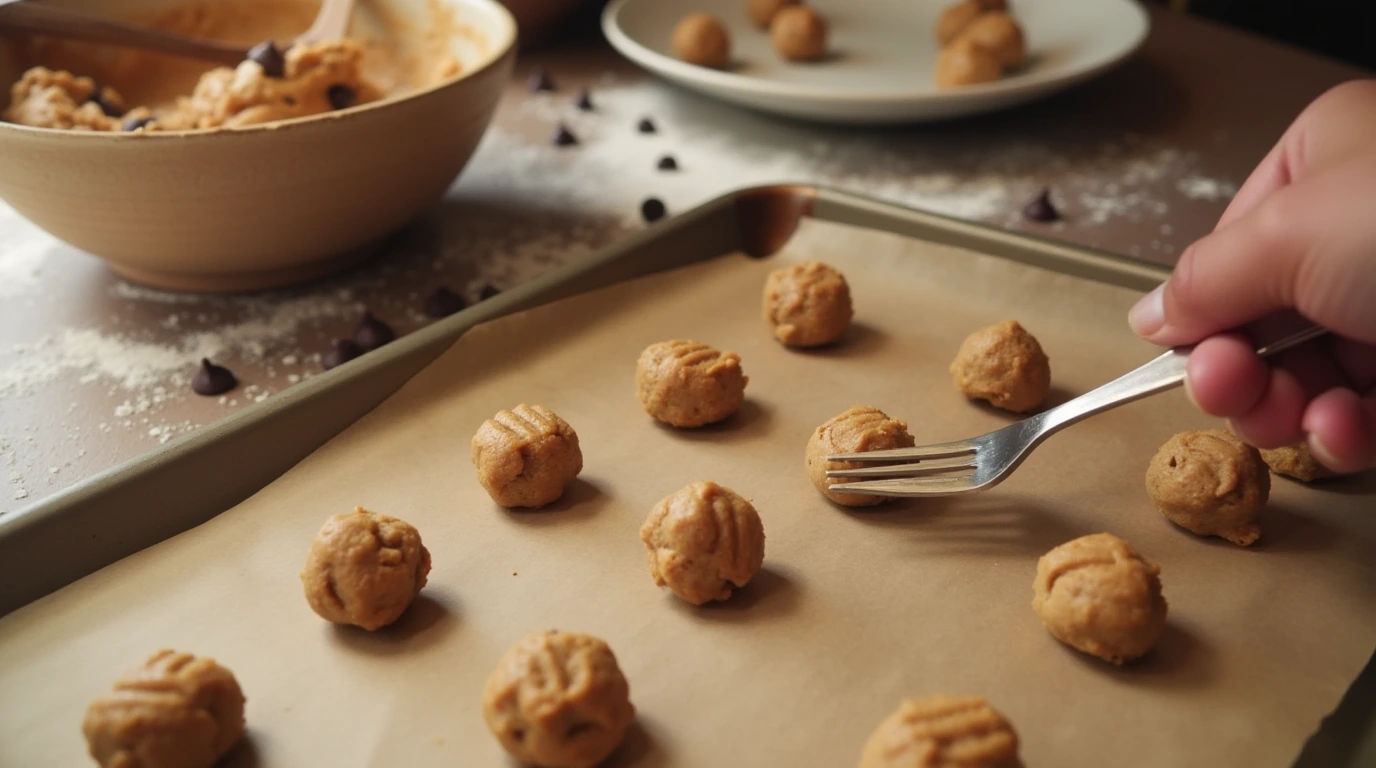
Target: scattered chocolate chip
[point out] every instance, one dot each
(443, 303)
(373, 333)
(646, 125)
(1040, 208)
(269, 57)
(488, 292)
(584, 101)
(102, 99)
(541, 81)
(343, 351)
(652, 209)
(563, 137)
(132, 124)
(667, 163)
(212, 379)
(340, 96)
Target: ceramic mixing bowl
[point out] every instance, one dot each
(267, 205)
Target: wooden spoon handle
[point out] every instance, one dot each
(33, 18)
(331, 23)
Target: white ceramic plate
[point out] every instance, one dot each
(883, 55)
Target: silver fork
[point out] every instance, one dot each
(980, 463)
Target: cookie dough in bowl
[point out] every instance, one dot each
(111, 150)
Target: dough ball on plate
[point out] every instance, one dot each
(762, 11)
(1296, 461)
(703, 40)
(957, 17)
(1096, 594)
(1005, 365)
(807, 305)
(863, 428)
(703, 541)
(364, 569)
(173, 711)
(686, 383)
(943, 732)
(999, 34)
(1211, 483)
(526, 457)
(799, 33)
(558, 700)
(965, 63)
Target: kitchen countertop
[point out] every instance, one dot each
(95, 371)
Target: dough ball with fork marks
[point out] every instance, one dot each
(703, 541)
(364, 569)
(1098, 595)
(174, 711)
(558, 700)
(527, 456)
(943, 732)
(686, 383)
(863, 428)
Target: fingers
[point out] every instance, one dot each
(1276, 420)
(1342, 430)
(1225, 376)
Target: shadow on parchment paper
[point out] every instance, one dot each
(1056, 395)
(244, 754)
(861, 340)
(639, 749)
(1181, 659)
(431, 617)
(772, 592)
(1360, 484)
(999, 526)
(1285, 530)
(582, 499)
(750, 420)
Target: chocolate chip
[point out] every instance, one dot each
(373, 333)
(667, 163)
(646, 125)
(340, 96)
(488, 292)
(102, 99)
(540, 81)
(134, 123)
(563, 137)
(584, 101)
(269, 57)
(212, 379)
(343, 351)
(652, 209)
(1040, 208)
(443, 303)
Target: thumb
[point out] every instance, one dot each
(1301, 248)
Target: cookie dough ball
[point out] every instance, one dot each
(1096, 594)
(1295, 461)
(1005, 365)
(1000, 35)
(702, 39)
(966, 63)
(558, 700)
(864, 428)
(526, 457)
(703, 541)
(807, 305)
(798, 33)
(1210, 482)
(174, 711)
(957, 17)
(943, 732)
(688, 384)
(762, 11)
(364, 569)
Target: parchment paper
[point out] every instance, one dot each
(852, 611)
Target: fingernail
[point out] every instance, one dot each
(1147, 317)
(1322, 453)
(1189, 394)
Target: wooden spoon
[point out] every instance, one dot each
(331, 23)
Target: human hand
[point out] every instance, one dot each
(1299, 237)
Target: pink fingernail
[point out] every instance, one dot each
(1149, 314)
(1322, 453)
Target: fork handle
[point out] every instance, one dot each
(1165, 372)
